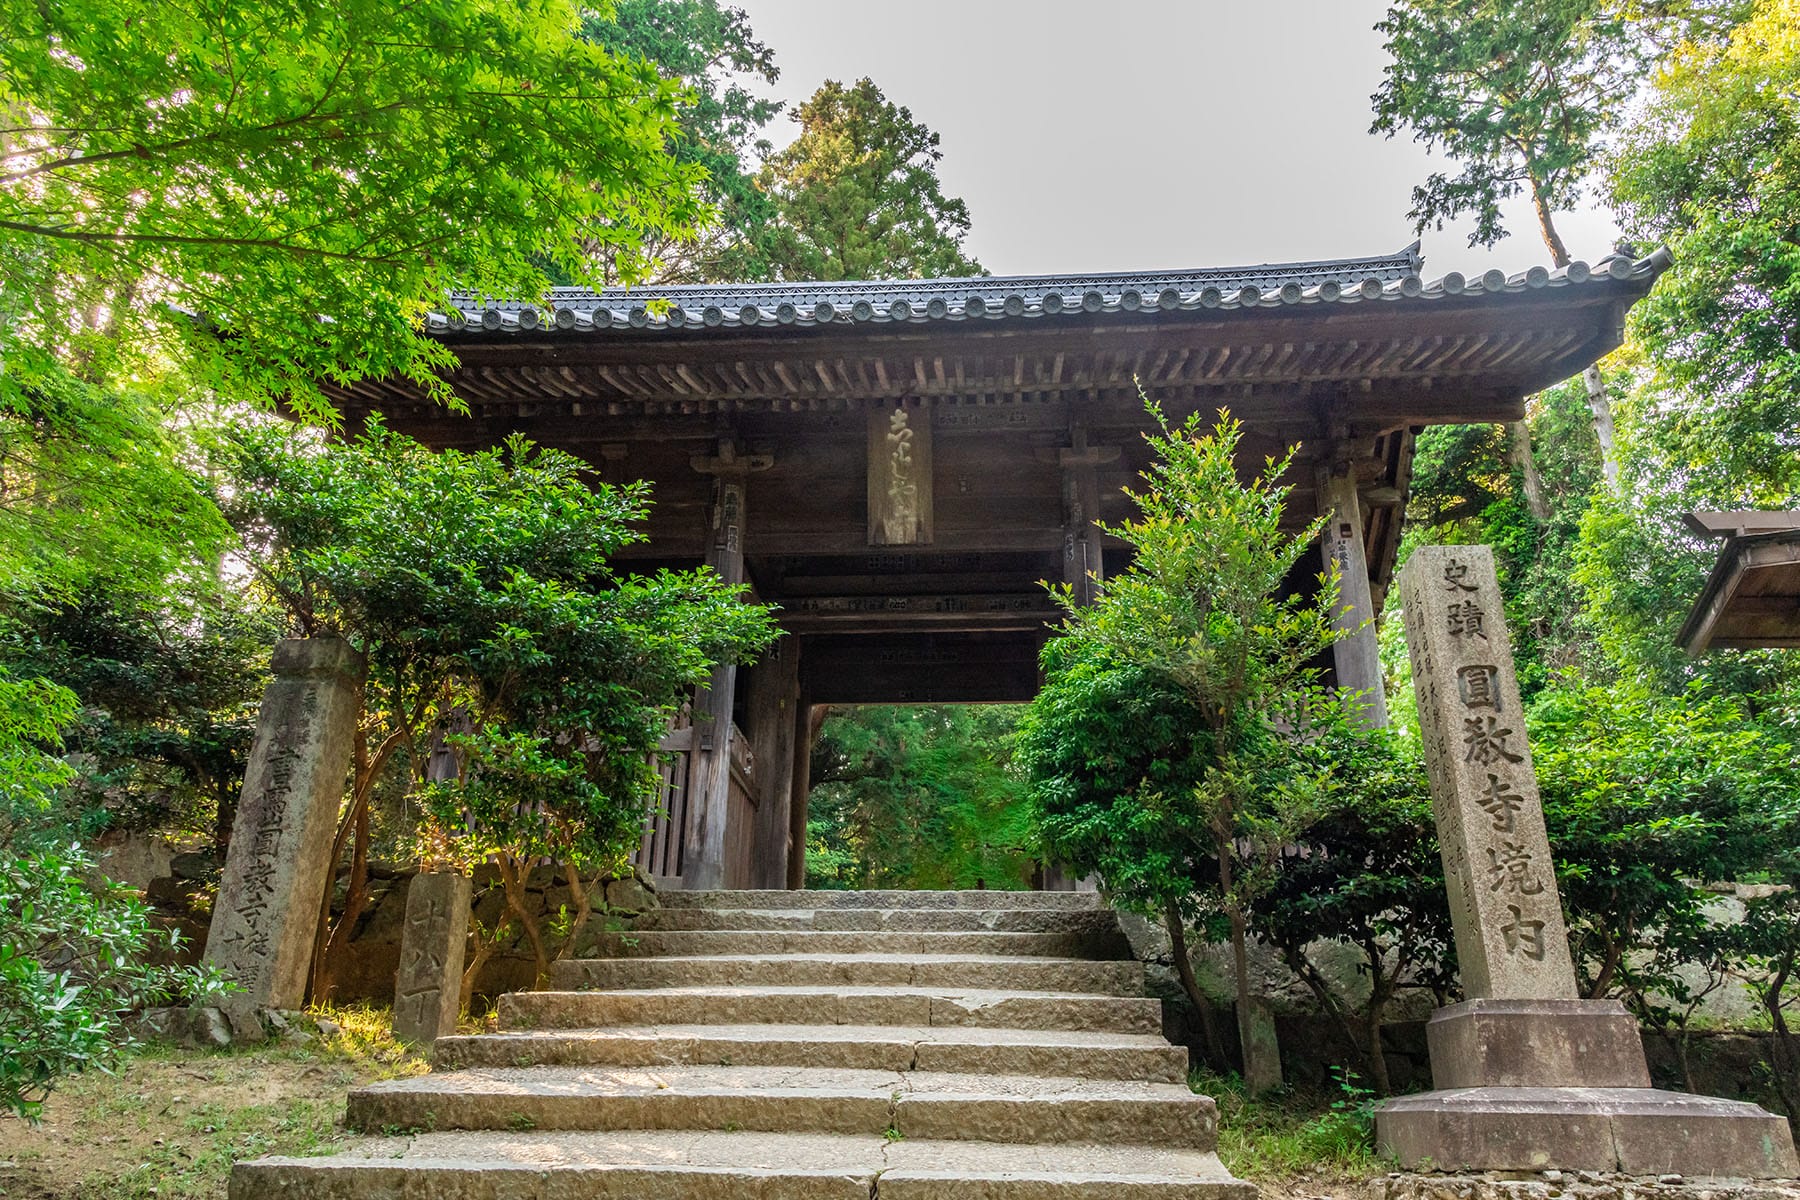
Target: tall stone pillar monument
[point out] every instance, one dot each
(267, 910)
(1528, 1077)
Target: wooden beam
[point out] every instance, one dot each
(1357, 654)
(704, 863)
(808, 719)
(773, 691)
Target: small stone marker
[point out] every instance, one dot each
(1511, 942)
(1527, 1077)
(428, 984)
(267, 909)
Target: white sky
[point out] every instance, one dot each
(1142, 134)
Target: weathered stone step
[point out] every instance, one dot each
(1055, 901)
(732, 1166)
(690, 942)
(1096, 922)
(828, 1006)
(880, 1047)
(1116, 978)
(921, 1104)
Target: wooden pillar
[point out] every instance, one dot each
(1083, 568)
(709, 777)
(774, 692)
(808, 718)
(1356, 656)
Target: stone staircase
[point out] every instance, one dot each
(802, 1046)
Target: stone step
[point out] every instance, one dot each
(1053, 901)
(830, 1006)
(880, 1047)
(921, 1104)
(715, 1165)
(1097, 922)
(1115, 978)
(692, 942)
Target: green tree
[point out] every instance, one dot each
(1184, 813)
(918, 797)
(1466, 489)
(1712, 167)
(857, 194)
(94, 492)
(1519, 96)
(481, 590)
(168, 688)
(265, 196)
(713, 53)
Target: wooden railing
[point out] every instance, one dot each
(666, 814)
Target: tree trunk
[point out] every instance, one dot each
(1258, 1074)
(1609, 966)
(1518, 452)
(578, 920)
(1184, 965)
(1599, 403)
(513, 885)
(485, 946)
(1784, 1056)
(1380, 992)
(356, 898)
(1203, 1009)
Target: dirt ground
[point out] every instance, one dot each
(168, 1124)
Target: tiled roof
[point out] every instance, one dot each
(739, 306)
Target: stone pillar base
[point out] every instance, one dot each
(1639, 1131)
(1533, 1085)
(1536, 1043)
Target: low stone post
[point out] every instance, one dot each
(428, 984)
(267, 911)
(1529, 1077)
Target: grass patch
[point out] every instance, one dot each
(169, 1123)
(1293, 1134)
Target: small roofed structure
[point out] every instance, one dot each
(899, 464)
(1752, 599)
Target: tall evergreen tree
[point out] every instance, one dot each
(857, 195)
(713, 53)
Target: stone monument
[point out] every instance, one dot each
(1528, 1077)
(428, 983)
(267, 911)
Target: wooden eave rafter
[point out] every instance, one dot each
(1752, 598)
(1452, 359)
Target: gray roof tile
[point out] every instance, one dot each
(737, 306)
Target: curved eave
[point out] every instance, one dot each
(1000, 302)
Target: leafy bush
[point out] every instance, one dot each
(481, 589)
(1647, 798)
(1159, 746)
(77, 953)
(1367, 873)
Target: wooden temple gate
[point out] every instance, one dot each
(898, 465)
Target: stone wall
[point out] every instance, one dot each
(1728, 1062)
(182, 900)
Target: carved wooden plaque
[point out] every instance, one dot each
(899, 477)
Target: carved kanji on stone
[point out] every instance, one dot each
(1511, 941)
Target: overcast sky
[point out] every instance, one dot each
(1138, 134)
